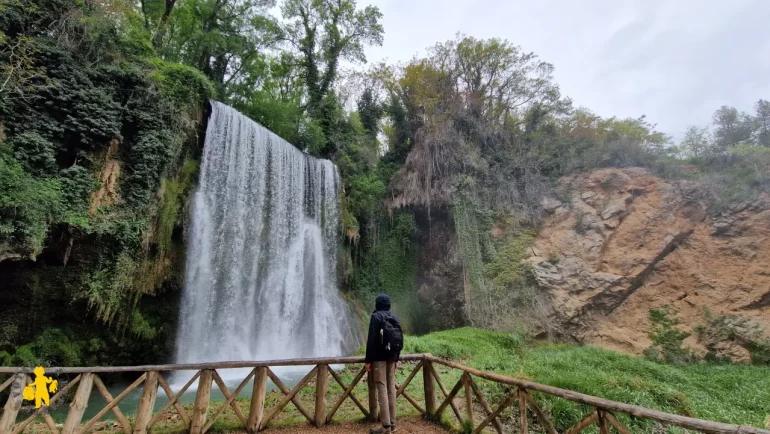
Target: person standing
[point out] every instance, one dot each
(383, 349)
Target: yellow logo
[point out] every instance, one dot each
(39, 388)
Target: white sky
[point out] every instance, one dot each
(675, 61)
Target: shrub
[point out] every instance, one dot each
(186, 86)
(667, 340)
(743, 331)
(581, 224)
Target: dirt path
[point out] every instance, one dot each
(405, 426)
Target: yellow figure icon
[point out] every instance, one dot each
(39, 388)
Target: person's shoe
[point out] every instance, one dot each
(380, 430)
(393, 428)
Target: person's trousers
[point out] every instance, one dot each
(385, 379)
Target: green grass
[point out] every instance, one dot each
(738, 394)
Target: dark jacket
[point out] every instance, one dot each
(374, 351)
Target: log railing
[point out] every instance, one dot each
(474, 411)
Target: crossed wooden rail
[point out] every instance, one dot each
(259, 418)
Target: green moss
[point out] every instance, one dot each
(115, 286)
(104, 98)
(349, 222)
(471, 239)
(506, 268)
(498, 293)
(397, 257)
(391, 267)
(27, 206)
(174, 191)
(110, 290)
(77, 184)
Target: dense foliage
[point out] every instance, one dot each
(99, 107)
(95, 129)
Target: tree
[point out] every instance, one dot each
(397, 131)
(324, 32)
(224, 39)
(156, 14)
(18, 71)
(497, 77)
(271, 93)
(370, 112)
(696, 142)
(763, 122)
(731, 127)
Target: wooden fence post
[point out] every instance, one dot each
(604, 428)
(147, 404)
(374, 416)
(468, 398)
(322, 381)
(429, 385)
(78, 405)
(13, 405)
(523, 411)
(257, 408)
(201, 406)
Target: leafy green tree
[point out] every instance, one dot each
(497, 77)
(731, 127)
(370, 113)
(271, 93)
(471, 106)
(696, 142)
(324, 32)
(763, 122)
(224, 39)
(157, 14)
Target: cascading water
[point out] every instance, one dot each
(260, 279)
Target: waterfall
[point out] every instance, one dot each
(260, 279)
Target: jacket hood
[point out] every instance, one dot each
(382, 303)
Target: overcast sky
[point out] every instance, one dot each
(675, 61)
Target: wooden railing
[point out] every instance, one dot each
(475, 414)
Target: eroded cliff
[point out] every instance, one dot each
(620, 242)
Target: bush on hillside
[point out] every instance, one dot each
(667, 339)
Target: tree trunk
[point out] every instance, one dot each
(157, 40)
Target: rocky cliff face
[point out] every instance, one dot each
(622, 242)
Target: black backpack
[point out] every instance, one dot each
(391, 336)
